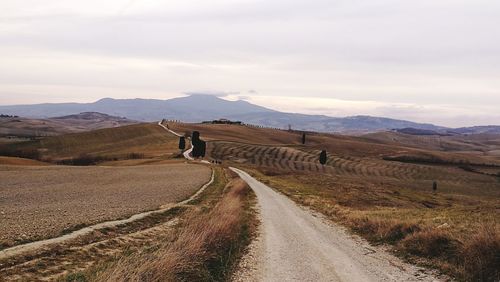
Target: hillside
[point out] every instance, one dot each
(86, 121)
(143, 140)
(488, 129)
(382, 188)
(347, 125)
(485, 146)
(364, 146)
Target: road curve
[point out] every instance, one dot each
(297, 245)
(187, 153)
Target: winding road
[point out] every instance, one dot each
(187, 153)
(298, 245)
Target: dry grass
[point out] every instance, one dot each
(265, 136)
(205, 248)
(80, 259)
(42, 202)
(385, 201)
(458, 234)
(20, 161)
(148, 140)
(358, 170)
(477, 144)
(345, 145)
(238, 133)
(481, 255)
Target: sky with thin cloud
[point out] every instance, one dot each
(429, 60)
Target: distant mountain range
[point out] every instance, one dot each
(192, 108)
(197, 108)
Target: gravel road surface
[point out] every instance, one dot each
(298, 245)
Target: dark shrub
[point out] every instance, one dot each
(85, 160)
(195, 136)
(182, 143)
(203, 148)
(9, 151)
(323, 157)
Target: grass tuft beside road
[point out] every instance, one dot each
(211, 238)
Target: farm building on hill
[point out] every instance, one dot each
(223, 121)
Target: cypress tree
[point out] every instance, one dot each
(203, 148)
(303, 138)
(182, 143)
(199, 146)
(323, 157)
(195, 136)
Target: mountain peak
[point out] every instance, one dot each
(105, 100)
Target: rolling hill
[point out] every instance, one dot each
(31, 127)
(144, 140)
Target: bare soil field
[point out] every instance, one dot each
(42, 202)
(196, 241)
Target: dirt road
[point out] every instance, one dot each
(187, 153)
(298, 245)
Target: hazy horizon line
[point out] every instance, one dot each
(241, 98)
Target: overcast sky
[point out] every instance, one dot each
(428, 60)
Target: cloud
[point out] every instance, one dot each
(392, 53)
(213, 93)
(441, 114)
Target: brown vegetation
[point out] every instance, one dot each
(381, 190)
(459, 235)
(20, 161)
(206, 247)
(299, 159)
(484, 145)
(145, 140)
(238, 133)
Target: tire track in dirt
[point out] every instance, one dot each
(33, 246)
